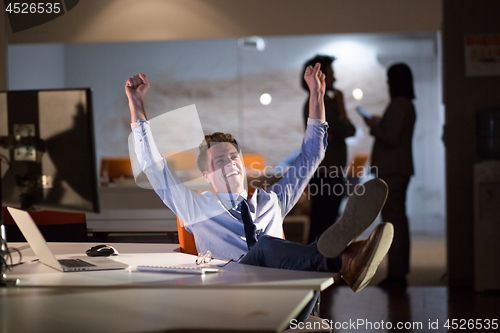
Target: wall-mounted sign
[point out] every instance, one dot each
(482, 55)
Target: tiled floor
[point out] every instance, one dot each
(376, 310)
(425, 306)
(418, 309)
(427, 262)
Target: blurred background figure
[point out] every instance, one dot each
(392, 157)
(327, 187)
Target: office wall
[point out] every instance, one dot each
(36, 66)
(154, 20)
(226, 81)
(463, 96)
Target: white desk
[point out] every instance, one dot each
(28, 310)
(234, 275)
(241, 298)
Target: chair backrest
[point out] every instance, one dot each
(116, 166)
(186, 240)
(184, 160)
(357, 164)
(254, 161)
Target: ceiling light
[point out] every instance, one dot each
(265, 99)
(357, 94)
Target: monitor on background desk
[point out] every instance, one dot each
(47, 142)
(48, 137)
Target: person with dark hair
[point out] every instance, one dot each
(392, 158)
(248, 229)
(327, 186)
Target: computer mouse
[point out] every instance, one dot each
(102, 251)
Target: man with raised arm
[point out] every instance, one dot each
(234, 226)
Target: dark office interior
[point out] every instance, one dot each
(455, 265)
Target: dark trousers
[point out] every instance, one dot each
(275, 252)
(279, 253)
(326, 194)
(394, 211)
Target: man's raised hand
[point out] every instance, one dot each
(137, 87)
(315, 79)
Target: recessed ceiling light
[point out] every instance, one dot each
(357, 94)
(265, 99)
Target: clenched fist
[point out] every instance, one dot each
(315, 79)
(137, 87)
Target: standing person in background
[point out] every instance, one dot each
(327, 187)
(392, 156)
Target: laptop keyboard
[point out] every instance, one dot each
(75, 263)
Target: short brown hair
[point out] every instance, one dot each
(202, 161)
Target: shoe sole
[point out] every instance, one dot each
(359, 213)
(382, 244)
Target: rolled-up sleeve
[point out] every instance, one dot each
(189, 206)
(290, 187)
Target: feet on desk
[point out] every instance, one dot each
(362, 208)
(360, 260)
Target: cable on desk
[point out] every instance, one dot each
(232, 260)
(7, 256)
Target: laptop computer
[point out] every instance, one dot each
(45, 255)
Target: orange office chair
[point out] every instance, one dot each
(116, 167)
(254, 162)
(186, 240)
(357, 165)
(185, 160)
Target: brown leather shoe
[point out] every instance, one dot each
(360, 260)
(361, 209)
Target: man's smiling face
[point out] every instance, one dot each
(226, 171)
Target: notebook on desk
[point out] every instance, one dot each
(38, 244)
